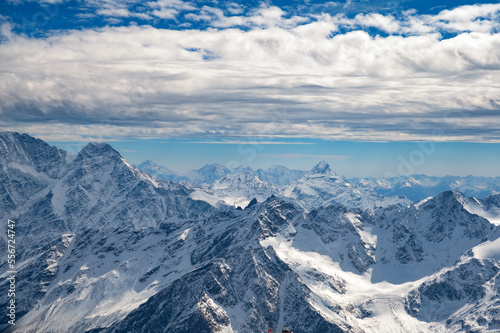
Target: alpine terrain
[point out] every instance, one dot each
(102, 246)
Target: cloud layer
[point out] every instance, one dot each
(263, 73)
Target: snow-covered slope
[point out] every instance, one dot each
(466, 295)
(104, 247)
(238, 285)
(274, 264)
(489, 208)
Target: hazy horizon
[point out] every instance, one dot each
(368, 160)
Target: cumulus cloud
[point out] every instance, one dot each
(263, 17)
(115, 8)
(473, 18)
(279, 77)
(169, 9)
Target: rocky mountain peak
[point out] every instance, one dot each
(99, 148)
(98, 152)
(147, 163)
(322, 168)
(26, 150)
(446, 199)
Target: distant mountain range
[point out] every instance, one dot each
(418, 187)
(414, 187)
(105, 247)
(208, 174)
(318, 187)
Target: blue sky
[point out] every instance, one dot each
(357, 83)
(350, 159)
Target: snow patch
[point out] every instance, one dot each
(59, 198)
(421, 202)
(30, 171)
(488, 250)
(384, 300)
(184, 234)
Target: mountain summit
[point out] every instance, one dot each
(323, 187)
(160, 172)
(100, 149)
(322, 168)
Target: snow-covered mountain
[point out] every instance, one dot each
(208, 173)
(54, 196)
(277, 175)
(465, 295)
(160, 172)
(426, 236)
(55, 193)
(414, 187)
(418, 187)
(104, 247)
(322, 187)
(235, 189)
(28, 167)
(280, 175)
(313, 271)
(318, 187)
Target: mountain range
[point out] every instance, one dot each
(106, 247)
(414, 187)
(208, 174)
(418, 187)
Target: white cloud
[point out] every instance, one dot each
(473, 18)
(470, 13)
(165, 13)
(116, 9)
(169, 9)
(277, 79)
(235, 8)
(263, 17)
(119, 12)
(6, 31)
(267, 16)
(177, 4)
(385, 23)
